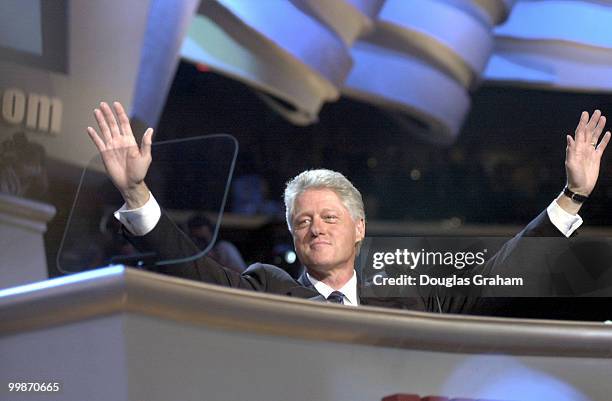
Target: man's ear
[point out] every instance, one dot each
(360, 230)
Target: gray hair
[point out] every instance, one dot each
(328, 179)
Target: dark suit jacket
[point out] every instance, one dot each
(172, 244)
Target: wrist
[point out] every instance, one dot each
(569, 205)
(575, 195)
(136, 197)
(577, 190)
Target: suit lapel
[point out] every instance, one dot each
(303, 280)
(305, 290)
(308, 288)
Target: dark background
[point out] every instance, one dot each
(505, 167)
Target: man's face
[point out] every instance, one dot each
(324, 233)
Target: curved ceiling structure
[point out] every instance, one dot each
(418, 59)
(568, 42)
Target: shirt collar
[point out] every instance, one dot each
(349, 289)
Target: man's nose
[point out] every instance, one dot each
(316, 227)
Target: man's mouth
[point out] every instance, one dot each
(319, 243)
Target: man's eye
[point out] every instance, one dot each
(303, 222)
(330, 217)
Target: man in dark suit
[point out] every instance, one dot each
(325, 216)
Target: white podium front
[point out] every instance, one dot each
(122, 334)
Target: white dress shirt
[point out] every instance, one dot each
(349, 290)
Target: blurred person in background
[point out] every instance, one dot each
(201, 230)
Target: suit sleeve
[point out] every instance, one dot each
(526, 255)
(170, 243)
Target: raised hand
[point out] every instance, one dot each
(583, 154)
(126, 163)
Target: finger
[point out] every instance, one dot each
(145, 143)
(570, 146)
(110, 119)
(584, 119)
(96, 139)
(598, 129)
(580, 136)
(124, 121)
(593, 121)
(604, 142)
(104, 129)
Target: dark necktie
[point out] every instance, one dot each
(336, 297)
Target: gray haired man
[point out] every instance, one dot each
(324, 211)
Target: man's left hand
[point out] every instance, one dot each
(583, 154)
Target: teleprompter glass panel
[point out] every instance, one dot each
(189, 179)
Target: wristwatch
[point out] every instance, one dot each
(574, 196)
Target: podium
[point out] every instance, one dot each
(119, 334)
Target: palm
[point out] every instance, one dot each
(126, 164)
(583, 155)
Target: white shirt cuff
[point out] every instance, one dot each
(142, 220)
(566, 222)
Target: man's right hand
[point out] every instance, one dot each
(126, 164)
